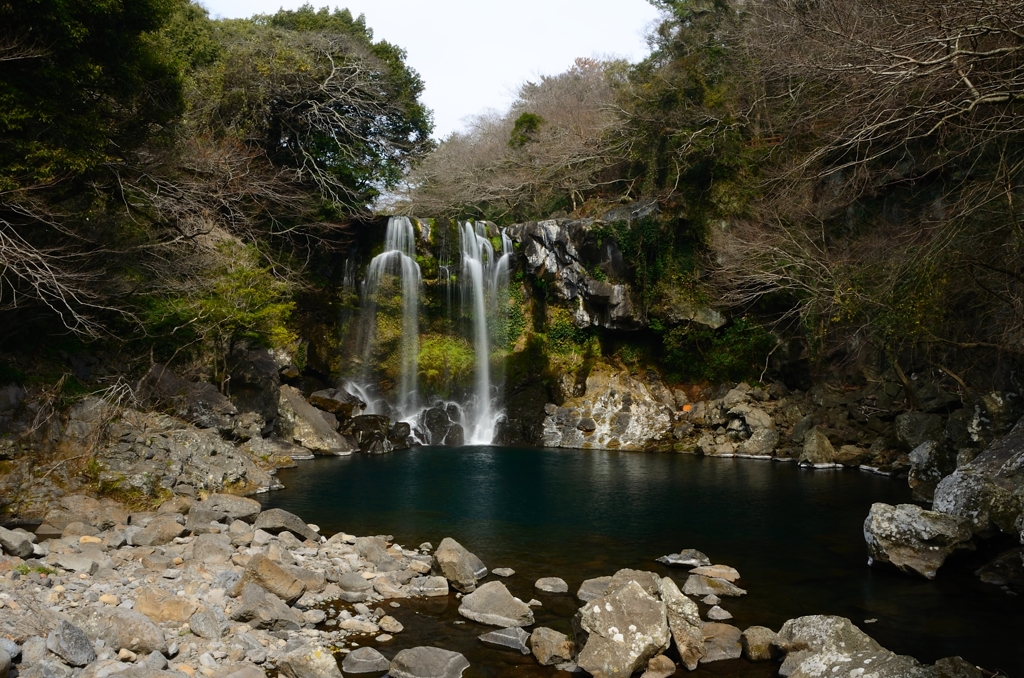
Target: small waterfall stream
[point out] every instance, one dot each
(388, 335)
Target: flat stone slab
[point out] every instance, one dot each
(503, 571)
(699, 585)
(365, 660)
(718, 614)
(551, 585)
(493, 604)
(721, 641)
(512, 637)
(592, 589)
(428, 662)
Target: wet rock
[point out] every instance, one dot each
(365, 660)
(626, 628)
(209, 622)
(593, 588)
(956, 667)
(698, 585)
(354, 588)
(232, 507)
(338, 401)
(503, 571)
(120, 628)
(757, 643)
(551, 585)
(427, 662)
(648, 581)
(263, 610)
(880, 664)
(817, 450)
(512, 637)
(301, 423)
(264, 572)
(456, 436)
(684, 622)
(915, 428)
(309, 661)
(685, 558)
(277, 520)
(163, 606)
(15, 544)
(371, 433)
(458, 565)
(913, 539)
(721, 641)
(659, 667)
(429, 587)
(550, 647)
(70, 643)
(761, 443)
(492, 604)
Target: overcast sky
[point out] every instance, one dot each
(474, 54)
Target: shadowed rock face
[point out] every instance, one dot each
(913, 539)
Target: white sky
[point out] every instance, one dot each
(474, 54)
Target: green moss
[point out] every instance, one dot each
(733, 353)
(445, 362)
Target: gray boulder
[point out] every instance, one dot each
(5, 663)
(929, 464)
(512, 637)
(915, 428)
(817, 450)
(625, 628)
(212, 549)
(684, 622)
(427, 662)
(721, 641)
(278, 520)
(551, 647)
(593, 588)
(309, 661)
(429, 587)
(879, 664)
(209, 622)
(823, 633)
(493, 604)
(301, 423)
(264, 610)
(456, 564)
(161, 531)
(264, 572)
(232, 507)
(551, 585)
(648, 581)
(70, 643)
(121, 628)
(365, 660)
(757, 643)
(913, 539)
(988, 490)
(15, 544)
(355, 589)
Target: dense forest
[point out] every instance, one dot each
(845, 173)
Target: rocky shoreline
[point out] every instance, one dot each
(219, 587)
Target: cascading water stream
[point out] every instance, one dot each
(482, 278)
(396, 262)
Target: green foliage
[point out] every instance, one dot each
(736, 352)
(445, 361)
(563, 335)
(511, 322)
(525, 130)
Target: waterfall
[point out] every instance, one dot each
(482, 278)
(396, 264)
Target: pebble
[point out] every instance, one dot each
(711, 599)
(503, 571)
(384, 637)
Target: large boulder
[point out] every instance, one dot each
(460, 567)
(163, 530)
(684, 622)
(817, 450)
(309, 661)
(371, 432)
(199, 403)
(699, 585)
(163, 606)
(15, 543)
(916, 428)
(593, 588)
(879, 664)
(513, 638)
(267, 574)
(355, 588)
(338, 401)
(428, 662)
(263, 610)
(209, 623)
(624, 629)
(70, 643)
(929, 464)
(301, 423)
(823, 633)
(721, 641)
(913, 539)
(493, 604)
(120, 628)
(232, 507)
(989, 490)
(365, 660)
(278, 520)
(648, 581)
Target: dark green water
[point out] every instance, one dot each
(794, 534)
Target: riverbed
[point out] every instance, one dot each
(794, 534)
